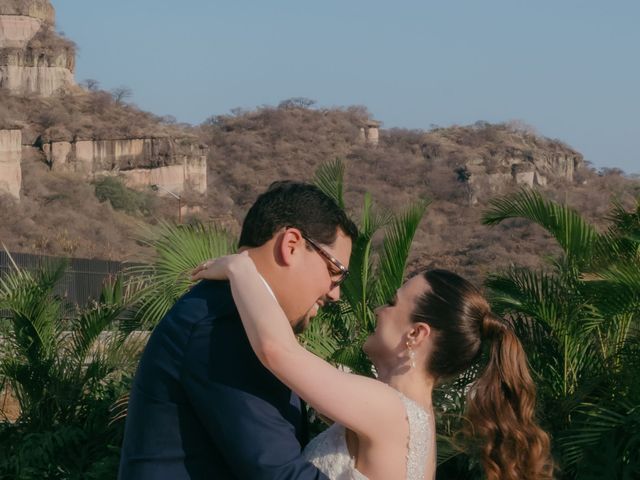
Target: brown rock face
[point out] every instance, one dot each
(174, 164)
(38, 9)
(498, 156)
(10, 158)
(34, 59)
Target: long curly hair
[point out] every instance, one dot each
(501, 413)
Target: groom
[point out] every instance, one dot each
(202, 406)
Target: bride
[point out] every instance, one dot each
(434, 328)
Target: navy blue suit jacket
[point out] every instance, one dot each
(202, 406)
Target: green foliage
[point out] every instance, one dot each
(112, 189)
(377, 272)
(576, 237)
(66, 367)
(178, 250)
(579, 322)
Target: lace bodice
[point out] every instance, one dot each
(329, 453)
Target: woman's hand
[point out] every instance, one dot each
(218, 268)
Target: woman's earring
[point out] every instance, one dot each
(412, 354)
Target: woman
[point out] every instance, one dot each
(434, 328)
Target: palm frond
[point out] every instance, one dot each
(596, 422)
(395, 249)
(178, 250)
(329, 177)
(576, 237)
(355, 290)
(88, 328)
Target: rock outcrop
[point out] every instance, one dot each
(494, 157)
(521, 170)
(41, 10)
(10, 158)
(176, 165)
(370, 132)
(34, 59)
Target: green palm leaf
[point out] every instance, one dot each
(576, 237)
(329, 177)
(395, 249)
(178, 250)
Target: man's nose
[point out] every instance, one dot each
(334, 294)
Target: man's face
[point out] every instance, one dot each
(315, 277)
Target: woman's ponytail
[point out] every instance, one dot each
(501, 402)
(501, 410)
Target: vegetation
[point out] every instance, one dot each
(66, 367)
(250, 149)
(579, 321)
(577, 315)
(120, 197)
(70, 368)
(81, 114)
(177, 251)
(377, 272)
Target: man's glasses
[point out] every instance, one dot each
(336, 277)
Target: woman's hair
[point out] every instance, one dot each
(501, 401)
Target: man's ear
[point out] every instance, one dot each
(289, 245)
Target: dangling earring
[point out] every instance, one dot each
(412, 355)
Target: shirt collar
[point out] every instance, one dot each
(268, 286)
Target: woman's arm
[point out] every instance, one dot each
(362, 404)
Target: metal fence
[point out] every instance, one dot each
(82, 281)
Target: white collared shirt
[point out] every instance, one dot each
(268, 286)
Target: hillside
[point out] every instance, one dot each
(60, 214)
(78, 164)
(250, 150)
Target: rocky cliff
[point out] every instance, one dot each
(34, 59)
(10, 158)
(84, 132)
(176, 165)
(492, 157)
(41, 10)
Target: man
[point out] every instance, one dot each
(202, 406)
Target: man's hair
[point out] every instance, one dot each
(295, 204)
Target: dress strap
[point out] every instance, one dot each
(418, 444)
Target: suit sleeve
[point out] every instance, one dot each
(249, 431)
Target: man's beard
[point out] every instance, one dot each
(301, 324)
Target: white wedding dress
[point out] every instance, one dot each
(328, 451)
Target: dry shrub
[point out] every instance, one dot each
(251, 149)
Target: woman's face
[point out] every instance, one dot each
(388, 343)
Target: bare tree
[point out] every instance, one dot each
(238, 111)
(169, 119)
(91, 84)
(296, 102)
(121, 93)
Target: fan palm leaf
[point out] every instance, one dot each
(178, 250)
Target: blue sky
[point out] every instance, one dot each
(569, 68)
